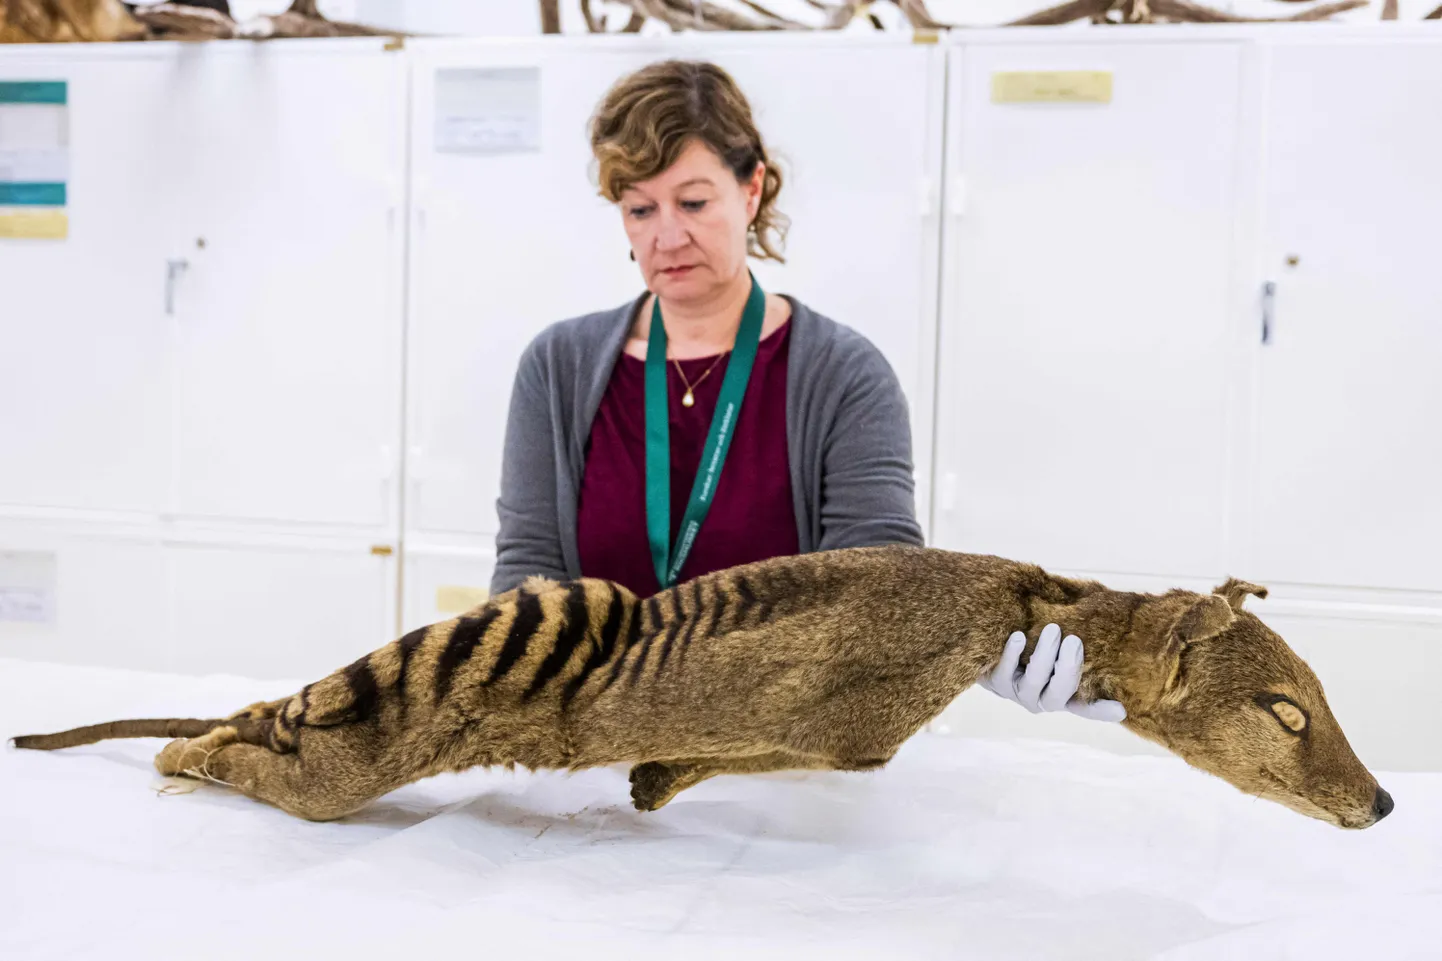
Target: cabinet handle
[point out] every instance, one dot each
(1269, 293)
(174, 267)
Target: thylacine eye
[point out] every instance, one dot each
(1288, 714)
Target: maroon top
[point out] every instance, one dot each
(752, 516)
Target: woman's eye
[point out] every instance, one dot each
(692, 206)
(639, 212)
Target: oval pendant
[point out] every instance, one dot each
(688, 400)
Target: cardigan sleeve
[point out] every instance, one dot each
(868, 492)
(528, 540)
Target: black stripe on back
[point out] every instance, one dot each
(528, 620)
(468, 632)
(408, 645)
(362, 681)
(770, 591)
(578, 621)
(653, 608)
(601, 651)
(633, 637)
(640, 664)
(691, 618)
(611, 630)
(748, 600)
(671, 630)
(718, 610)
(693, 621)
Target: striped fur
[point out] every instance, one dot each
(821, 661)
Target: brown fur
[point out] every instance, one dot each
(823, 661)
(67, 21)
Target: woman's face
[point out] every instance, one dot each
(687, 225)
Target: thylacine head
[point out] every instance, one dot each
(1210, 682)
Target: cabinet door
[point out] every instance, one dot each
(1349, 407)
(289, 320)
(506, 243)
(1083, 400)
(271, 610)
(84, 341)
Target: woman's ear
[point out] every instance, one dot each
(753, 191)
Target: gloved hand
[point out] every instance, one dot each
(1051, 677)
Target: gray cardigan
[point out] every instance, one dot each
(848, 439)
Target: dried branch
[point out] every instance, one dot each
(550, 16)
(1184, 11)
(1064, 13)
(1325, 10)
(838, 15)
(1389, 10)
(178, 21)
(1434, 15)
(774, 18)
(304, 20)
(919, 17)
(595, 24)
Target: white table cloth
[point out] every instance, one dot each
(961, 848)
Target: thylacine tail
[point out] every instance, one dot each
(172, 727)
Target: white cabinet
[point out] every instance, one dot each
(289, 214)
(222, 455)
(84, 344)
(1082, 382)
(1348, 442)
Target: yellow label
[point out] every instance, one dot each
(1052, 86)
(457, 599)
(34, 224)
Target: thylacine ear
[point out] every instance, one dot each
(1206, 617)
(1236, 592)
(1209, 616)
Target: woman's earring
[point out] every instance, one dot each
(633, 255)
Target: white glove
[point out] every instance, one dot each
(1051, 677)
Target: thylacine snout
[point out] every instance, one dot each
(1230, 697)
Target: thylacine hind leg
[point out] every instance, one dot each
(655, 783)
(331, 776)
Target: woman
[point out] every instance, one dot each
(708, 423)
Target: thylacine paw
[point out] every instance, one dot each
(191, 756)
(653, 784)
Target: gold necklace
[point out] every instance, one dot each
(690, 398)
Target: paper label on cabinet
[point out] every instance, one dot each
(1052, 86)
(457, 599)
(34, 223)
(34, 159)
(488, 111)
(27, 587)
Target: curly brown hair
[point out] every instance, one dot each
(647, 118)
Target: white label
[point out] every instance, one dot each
(27, 587)
(33, 143)
(490, 111)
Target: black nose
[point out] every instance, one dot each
(1382, 804)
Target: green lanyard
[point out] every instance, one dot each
(658, 440)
